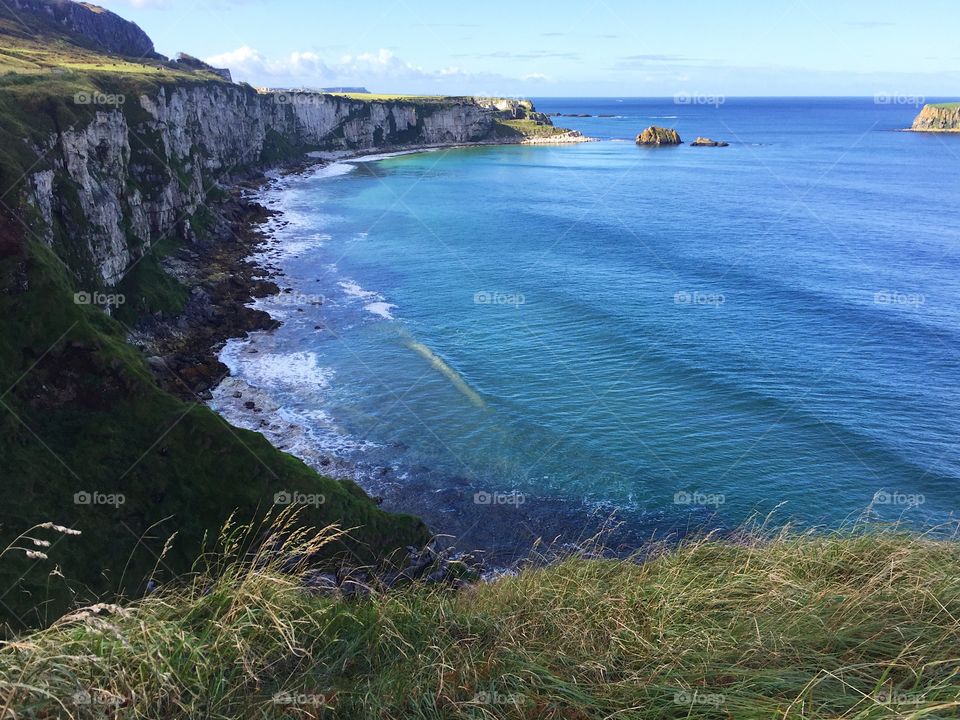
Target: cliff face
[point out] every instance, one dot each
(140, 170)
(938, 118)
(107, 30)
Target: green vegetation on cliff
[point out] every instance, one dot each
(863, 626)
(82, 416)
(528, 129)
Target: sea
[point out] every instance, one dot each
(542, 347)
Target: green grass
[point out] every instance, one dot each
(150, 288)
(35, 45)
(862, 626)
(528, 129)
(387, 97)
(947, 106)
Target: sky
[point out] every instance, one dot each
(561, 48)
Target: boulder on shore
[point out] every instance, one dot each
(654, 135)
(707, 142)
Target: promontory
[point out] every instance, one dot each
(938, 117)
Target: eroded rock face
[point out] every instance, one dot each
(140, 171)
(654, 135)
(707, 142)
(938, 118)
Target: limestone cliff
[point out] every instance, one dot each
(140, 170)
(938, 118)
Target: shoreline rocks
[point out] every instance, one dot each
(574, 136)
(654, 135)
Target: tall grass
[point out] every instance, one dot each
(848, 625)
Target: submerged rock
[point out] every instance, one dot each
(654, 135)
(707, 142)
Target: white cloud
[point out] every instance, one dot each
(381, 70)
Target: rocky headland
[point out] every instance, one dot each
(942, 117)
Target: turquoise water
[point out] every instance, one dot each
(681, 336)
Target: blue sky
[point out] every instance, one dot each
(560, 48)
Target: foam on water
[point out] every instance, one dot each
(334, 170)
(265, 369)
(386, 156)
(380, 309)
(353, 290)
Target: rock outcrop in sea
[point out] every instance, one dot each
(654, 135)
(707, 142)
(941, 117)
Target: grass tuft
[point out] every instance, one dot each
(849, 625)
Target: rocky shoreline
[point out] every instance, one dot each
(224, 272)
(571, 137)
(183, 355)
(223, 278)
(182, 351)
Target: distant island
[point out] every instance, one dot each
(938, 117)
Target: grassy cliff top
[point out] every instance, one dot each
(33, 45)
(388, 97)
(946, 105)
(846, 626)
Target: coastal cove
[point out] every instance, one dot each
(345, 373)
(439, 396)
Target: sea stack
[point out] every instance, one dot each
(940, 117)
(654, 135)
